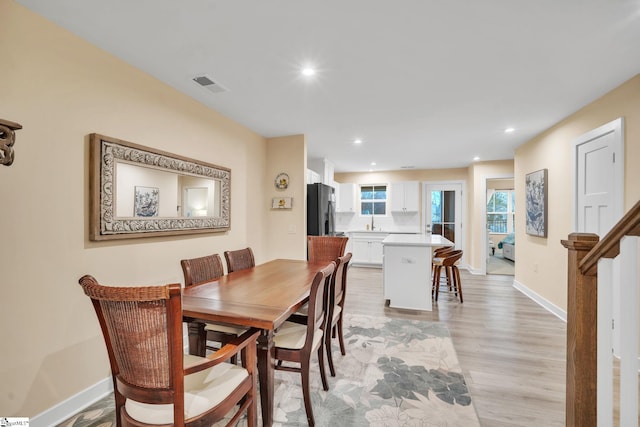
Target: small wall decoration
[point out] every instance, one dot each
(147, 201)
(7, 139)
(536, 205)
(282, 181)
(281, 203)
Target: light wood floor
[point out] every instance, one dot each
(511, 350)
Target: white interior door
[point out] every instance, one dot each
(599, 179)
(443, 210)
(599, 194)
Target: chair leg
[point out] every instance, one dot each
(447, 273)
(323, 373)
(458, 281)
(436, 281)
(304, 371)
(327, 344)
(341, 335)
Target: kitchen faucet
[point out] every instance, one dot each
(372, 227)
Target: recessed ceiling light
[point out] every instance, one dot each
(308, 71)
(373, 163)
(357, 141)
(476, 158)
(509, 130)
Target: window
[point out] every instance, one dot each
(501, 211)
(373, 200)
(443, 213)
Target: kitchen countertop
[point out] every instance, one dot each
(434, 240)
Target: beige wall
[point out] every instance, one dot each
(287, 231)
(61, 89)
(544, 269)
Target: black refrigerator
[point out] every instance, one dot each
(321, 215)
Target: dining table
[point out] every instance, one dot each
(262, 297)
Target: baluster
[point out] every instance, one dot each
(629, 331)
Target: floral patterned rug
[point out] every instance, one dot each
(396, 373)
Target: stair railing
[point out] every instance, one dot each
(597, 267)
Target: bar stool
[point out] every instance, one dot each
(449, 261)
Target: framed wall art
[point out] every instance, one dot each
(536, 188)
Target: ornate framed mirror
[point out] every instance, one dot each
(137, 191)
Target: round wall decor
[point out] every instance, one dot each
(282, 181)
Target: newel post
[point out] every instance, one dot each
(582, 317)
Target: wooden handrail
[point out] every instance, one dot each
(609, 246)
(584, 252)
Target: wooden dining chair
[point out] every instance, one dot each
(300, 336)
(240, 259)
(449, 261)
(325, 248)
(204, 269)
(154, 382)
(335, 310)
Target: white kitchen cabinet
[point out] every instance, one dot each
(312, 177)
(346, 198)
(404, 196)
(367, 248)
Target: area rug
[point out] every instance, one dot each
(396, 373)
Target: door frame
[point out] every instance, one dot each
(617, 128)
(483, 218)
(426, 208)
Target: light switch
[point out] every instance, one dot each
(292, 229)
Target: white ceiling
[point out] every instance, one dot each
(423, 83)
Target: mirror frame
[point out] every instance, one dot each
(104, 153)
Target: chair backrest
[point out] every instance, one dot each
(450, 258)
(142, 329)
(201, 269)
(325, 248)
(239, 259)
(317, 300)
(438, 252)
(339, 283)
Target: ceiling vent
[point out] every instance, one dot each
(208, 83)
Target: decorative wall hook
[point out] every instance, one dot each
(7, 139)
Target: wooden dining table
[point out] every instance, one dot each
(262, 297)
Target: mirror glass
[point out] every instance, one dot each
(138, 191)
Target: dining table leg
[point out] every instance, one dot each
(266, 368)
(197, 339)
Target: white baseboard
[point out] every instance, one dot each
(64, 410)
(546, 304)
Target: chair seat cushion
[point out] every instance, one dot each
(224, 328)
(304, 310)
(202, 391)
(336, 314)
(293, 335)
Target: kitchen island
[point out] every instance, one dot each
(407, 269)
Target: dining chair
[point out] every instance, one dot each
(325, 248)
(449, 261)
(203, 269)
(239, 259)
(335, 310)
(300, 336)
(154, 382)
